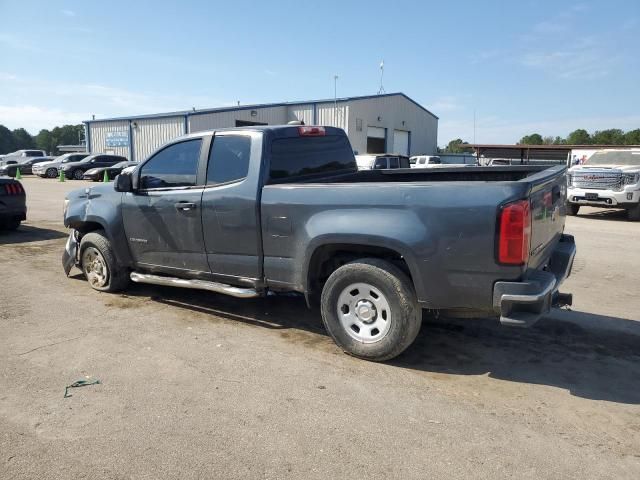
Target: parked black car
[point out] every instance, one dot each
(26, 167)
(75, 170)
(13, 206)
(97, 174)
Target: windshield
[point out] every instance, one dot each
(614, 158)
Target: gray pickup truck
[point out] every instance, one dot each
(249, 210)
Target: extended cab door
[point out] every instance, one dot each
(230, 213)
(162, 219)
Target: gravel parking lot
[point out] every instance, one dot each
(198, 385)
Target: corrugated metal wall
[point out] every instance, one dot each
(301, 113)
(151, 133)
(393, 111)
(208, 121)
(99, 134)
(333, 116)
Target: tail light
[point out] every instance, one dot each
(309, 131)
(515, 233)
(13, 189)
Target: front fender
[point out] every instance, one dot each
(100, 206)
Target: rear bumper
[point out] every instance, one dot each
(521, 304)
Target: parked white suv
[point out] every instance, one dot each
(51, 169)
(610, 179)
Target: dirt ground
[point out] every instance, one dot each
(198, 385)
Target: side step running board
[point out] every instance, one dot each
(198, 284)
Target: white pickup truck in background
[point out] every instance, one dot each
(609, 179)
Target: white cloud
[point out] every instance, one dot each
(34, 104)
(34, 118)
(68, 13)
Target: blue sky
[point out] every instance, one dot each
(523, 66)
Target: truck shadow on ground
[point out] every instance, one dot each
(612, 215)
(594, 363)
(28, 233)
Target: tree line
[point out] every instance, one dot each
(47, 140)
(612, 136)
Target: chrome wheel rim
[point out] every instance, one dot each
(51, 173)
(94, 267)
(364, 312)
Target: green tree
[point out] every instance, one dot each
(559, 141)
(579, 137)
(7, 141)
(23, 139)
(533, 139)
(44, 141)
(457, 146)
(613, 136)
(632, 137)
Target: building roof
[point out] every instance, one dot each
(548, 152)
(257, 106)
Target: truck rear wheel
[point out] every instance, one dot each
(370, 309)
(572, 209)
(99, 265)
(633, 214)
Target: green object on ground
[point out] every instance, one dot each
(80, 383)
(105, 177)
(61, 179)
(18, 174)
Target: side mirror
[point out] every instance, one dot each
(123, 182)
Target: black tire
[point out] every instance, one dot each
(51, 173)
(633, 214)
(77, 174)
(572, 209)
(116, 277)
(405, 314)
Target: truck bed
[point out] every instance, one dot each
(453, 174)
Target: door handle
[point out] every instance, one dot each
(185, 206)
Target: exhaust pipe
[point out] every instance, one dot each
(238, 292)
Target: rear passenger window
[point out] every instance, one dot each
(393, 162)
(380, 163)
(228, 159)
(175, 166)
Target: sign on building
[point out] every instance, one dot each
(117, 139)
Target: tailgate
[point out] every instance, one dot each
(547, 199)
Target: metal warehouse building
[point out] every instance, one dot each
(387, 123)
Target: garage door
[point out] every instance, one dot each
(376, 140)
(401, 142)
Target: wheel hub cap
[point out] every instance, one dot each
(364, 312)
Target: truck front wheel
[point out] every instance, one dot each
(572, 209)
(99, 264)
(370, 309)
(633, 213)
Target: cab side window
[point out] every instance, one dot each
(174, 166)
(228, 159)
(380, 163)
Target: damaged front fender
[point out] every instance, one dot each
(70, 254)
